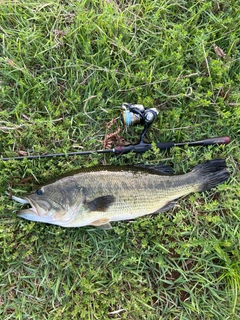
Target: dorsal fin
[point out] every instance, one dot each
(159, 168)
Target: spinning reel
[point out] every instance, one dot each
(134, 114)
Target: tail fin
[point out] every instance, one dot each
(212, 173)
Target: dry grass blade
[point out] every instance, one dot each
(219, 52)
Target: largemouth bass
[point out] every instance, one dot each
(99, 195)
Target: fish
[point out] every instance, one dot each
(97, 196)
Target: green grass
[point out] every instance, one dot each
(65, 69)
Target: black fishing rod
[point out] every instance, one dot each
(139, 148)
(133, 115)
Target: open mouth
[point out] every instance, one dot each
(30, 210)
(34, 212)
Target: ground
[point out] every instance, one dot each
(66, 68)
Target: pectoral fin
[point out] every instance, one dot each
(100, 203)
(102, 223)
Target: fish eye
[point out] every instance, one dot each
(39, 192)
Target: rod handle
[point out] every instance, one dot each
(217, 140)
(165, 145)
(140, 147)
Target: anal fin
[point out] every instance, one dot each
(167, 207)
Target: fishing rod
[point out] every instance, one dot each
(138, 147)
(133, 115)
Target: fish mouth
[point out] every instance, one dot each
(27, 211)
(33, 210)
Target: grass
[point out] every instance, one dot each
(65, 69)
